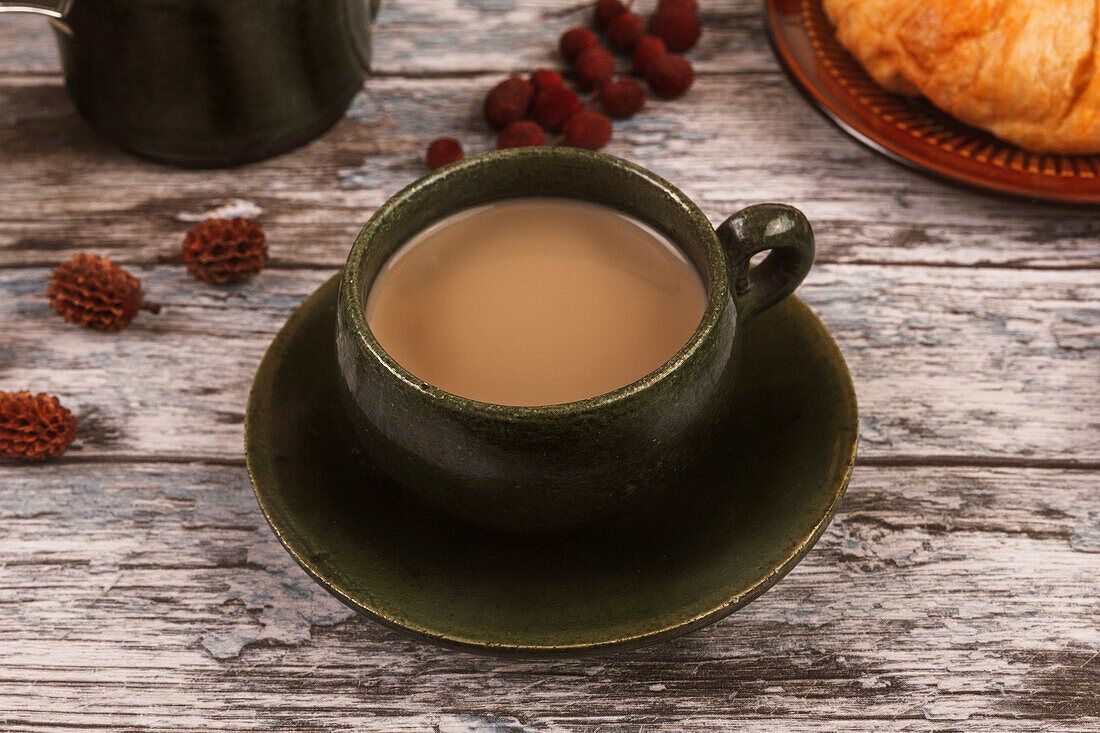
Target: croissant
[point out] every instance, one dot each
(1027, 71)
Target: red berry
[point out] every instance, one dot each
(645, 50)
(508, 101)
(575, 40)
(594, 67)
(545, 79)
(443, 151)
(606, 10)
(555, 106)
(622, 98)
(678, 27)
(691, 5)
(520, 135)
(624, 31)
(669, 76)
(586, 129)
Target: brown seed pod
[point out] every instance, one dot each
(224, 250)
(34, 427)
(92, 291)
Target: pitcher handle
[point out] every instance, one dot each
(57, 9)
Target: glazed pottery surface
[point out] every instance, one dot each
(751, 508)
(909, 130)
(211, 82)
(561, 466)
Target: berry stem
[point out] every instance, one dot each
(173, 259)
(151, 307)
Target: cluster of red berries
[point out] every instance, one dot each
(522, 110)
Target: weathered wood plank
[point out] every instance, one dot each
(733, 140)
(465, 36)
(141, 590)
(947, 362)
(939, 599)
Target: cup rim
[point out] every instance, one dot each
(716, 281)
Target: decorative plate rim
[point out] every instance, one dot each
(789, 24)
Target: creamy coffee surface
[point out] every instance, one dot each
(535, 301)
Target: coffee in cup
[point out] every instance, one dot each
(535, 301)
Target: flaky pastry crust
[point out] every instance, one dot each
(1026, 70)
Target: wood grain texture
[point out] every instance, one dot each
(929, 604)
(969, 364)
(457, 37)
(735, 139)
(141, 590)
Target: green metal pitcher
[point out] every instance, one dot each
(210, 83)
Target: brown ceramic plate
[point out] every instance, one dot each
(908, 129)
(738, 523)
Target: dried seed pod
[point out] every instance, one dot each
(34, 427)
(225, 250)
(92, 291)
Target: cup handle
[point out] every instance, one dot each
(777, 227)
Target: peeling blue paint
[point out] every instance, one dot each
(387, 172)
(473, 724)
(1086, 533)
(227, 644)
(25, 285)
(870, 431)
(489, 6)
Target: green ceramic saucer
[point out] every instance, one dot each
(735, 526)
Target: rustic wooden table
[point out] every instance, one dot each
(957, 589)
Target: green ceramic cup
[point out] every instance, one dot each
(559, 467)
